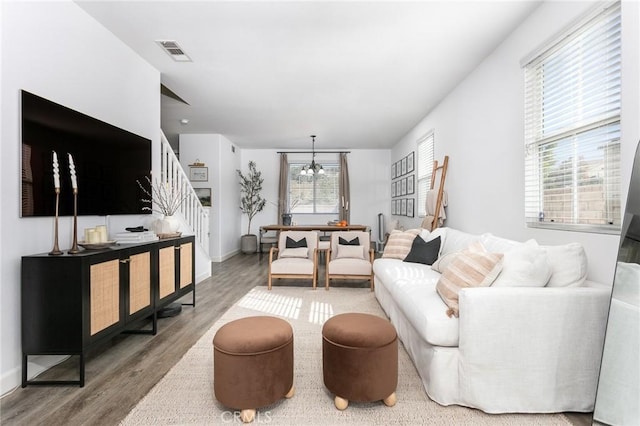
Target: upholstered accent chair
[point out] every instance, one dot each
(350, 256)
(295, 257)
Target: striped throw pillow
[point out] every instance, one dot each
(399, 244)
(472, 267)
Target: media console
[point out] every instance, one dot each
(71, 303)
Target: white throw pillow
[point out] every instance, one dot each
(525, 265)
(497, 244)
(455, 240)
(568, 265)
(295, 252)
(350, 252)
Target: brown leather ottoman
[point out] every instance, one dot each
(360, 359)
(253, 363)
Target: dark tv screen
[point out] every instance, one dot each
(108, 162)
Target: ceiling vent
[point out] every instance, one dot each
(174, 50)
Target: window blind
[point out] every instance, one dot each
(572, 128)
(425, 170)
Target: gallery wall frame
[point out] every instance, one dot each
(410, 210)
(411, 165)
(204, 195)
(410, 184)
(198, 174)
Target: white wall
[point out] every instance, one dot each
(480, 126)
(57, 51)
(217, 152)
(368, 176)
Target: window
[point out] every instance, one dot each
(572, 129)
(425, 170)
(314, 194)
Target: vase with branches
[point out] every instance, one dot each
(164, 199)
(251, 202)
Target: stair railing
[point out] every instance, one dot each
(194, 214)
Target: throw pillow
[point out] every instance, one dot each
(291, 243)
(443, 262)
(524, 266)
(350, 252)
(399, 244)
(473, 267)
(425, 252)
(354, 242)
(295, 252)
(568, 265)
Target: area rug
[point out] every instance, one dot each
(185, 394)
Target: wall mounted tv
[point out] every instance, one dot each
(108, 162)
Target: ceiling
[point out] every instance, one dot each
(269, 74)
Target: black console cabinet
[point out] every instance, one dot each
(70, 303)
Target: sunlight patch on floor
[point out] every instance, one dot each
(273, 304)
(320, 312)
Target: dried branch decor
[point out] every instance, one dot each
(164, 199)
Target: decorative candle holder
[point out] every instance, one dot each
(56, 250)
(74, 248)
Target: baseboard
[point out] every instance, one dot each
(227, 256)
(37, 364)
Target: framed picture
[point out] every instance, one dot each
(410, 184)
(393, 206)
(403, 166)
(403, 207)
(393, 171)
(398, 171)
(198, 174)
(410, 162)
(410, 207)
(204, 195)
(393, 189)
(398, 188)
(403, 189)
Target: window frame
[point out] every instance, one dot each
(424, 169)
(540, 135)
(314, 178)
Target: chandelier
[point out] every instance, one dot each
(313, 168)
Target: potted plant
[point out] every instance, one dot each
(251, 203)
(166, 200)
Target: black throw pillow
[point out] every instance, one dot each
(422, 251)
(354, 242)
(291, 243)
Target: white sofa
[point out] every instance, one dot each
(513, 348)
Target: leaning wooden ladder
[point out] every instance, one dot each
(443, 175)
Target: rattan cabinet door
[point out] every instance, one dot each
(104, 304)
(139, 282)
(186, 264)
(167, 271)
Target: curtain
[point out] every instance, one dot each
(345, 192)
(283, 187)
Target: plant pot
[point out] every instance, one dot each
(249, 243)
(166, 225)
(286, 219)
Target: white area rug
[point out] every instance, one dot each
(185, 394)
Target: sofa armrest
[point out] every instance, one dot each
(543, 343)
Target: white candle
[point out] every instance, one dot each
(101, 230)
(56, 169)
(93, 236)
(72, 169)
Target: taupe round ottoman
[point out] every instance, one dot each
(253, 363)
(360, 359)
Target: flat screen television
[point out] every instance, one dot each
(108, 162)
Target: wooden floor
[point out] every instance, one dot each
(121, 372)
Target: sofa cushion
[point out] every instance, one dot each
(568, 265)
(399, 243)
(425, 252)
(412, 287)
(349, 266)
(473, 267)
(453, 240)
(524, 265)
(498, 245)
